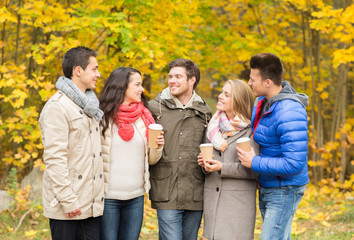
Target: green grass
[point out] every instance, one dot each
(338, 223)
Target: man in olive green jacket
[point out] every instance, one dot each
(177, 180)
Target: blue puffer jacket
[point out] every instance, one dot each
(281, 133)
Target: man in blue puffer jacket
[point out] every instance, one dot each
(279, 123)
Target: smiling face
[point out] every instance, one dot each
(224, 101)
(180, 86)
(134, 89)
(86, 79)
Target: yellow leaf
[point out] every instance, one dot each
(324, 95)
(9, 229)
(326, 224)
(34, 155)
(347, 127)
(31, 233)
(151, 226)
(18, 139)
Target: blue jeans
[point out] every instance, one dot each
(122, 219)
(278, 206)
(179, 224)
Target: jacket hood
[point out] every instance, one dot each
(288, 92)
(167, 99)
(166, 94)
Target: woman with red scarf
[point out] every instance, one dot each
(125, 152)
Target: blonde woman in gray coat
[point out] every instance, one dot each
(230, 188)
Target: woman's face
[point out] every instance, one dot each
(134, 90)
(224, 101)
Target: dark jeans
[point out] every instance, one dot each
(85, 229)
(122, 219)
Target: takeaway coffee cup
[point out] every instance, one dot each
(244, 143)
(154, 132)
(207, 151)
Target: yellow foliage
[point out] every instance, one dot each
(31, 234)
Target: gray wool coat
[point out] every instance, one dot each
(230, 195)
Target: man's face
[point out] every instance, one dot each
(87, 78)
(178, 82)
(257, 83)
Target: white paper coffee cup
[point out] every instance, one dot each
(207, 151)
(244, 143)
(154, 131)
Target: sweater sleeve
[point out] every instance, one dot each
(155, 155)
(290, 142)
(237, 170)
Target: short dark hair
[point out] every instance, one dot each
(192, 69)
(78, 56)
(269, 66)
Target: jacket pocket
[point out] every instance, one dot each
(198, 187)
(160, 178)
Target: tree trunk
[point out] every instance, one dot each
(17, 33)
(343, 161)
(31, 60)
(313, 98)
(319, 120)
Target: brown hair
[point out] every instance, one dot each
(191, 68)
(242, 99)
(269, 66)
(78, 56)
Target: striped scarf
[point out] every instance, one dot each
(221, 127)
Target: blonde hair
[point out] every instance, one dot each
(242, 99)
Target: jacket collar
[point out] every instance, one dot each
(197, 103)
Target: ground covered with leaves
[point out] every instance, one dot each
(326, 212)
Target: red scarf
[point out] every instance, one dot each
(129, 114)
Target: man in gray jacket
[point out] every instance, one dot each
(177, 180)
(73, 179)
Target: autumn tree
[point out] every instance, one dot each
(313, 39)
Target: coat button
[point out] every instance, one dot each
(79, 177)
(94, 177)
(93, 155)
(96, 129)
(100, 153)
(81, 112)
(102, 199)
(93, 200)
(90, 131)
(101, 175)
(217, 189)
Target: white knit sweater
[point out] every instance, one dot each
(151, 155)
(126, 180)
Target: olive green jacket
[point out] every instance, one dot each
(176, 180)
